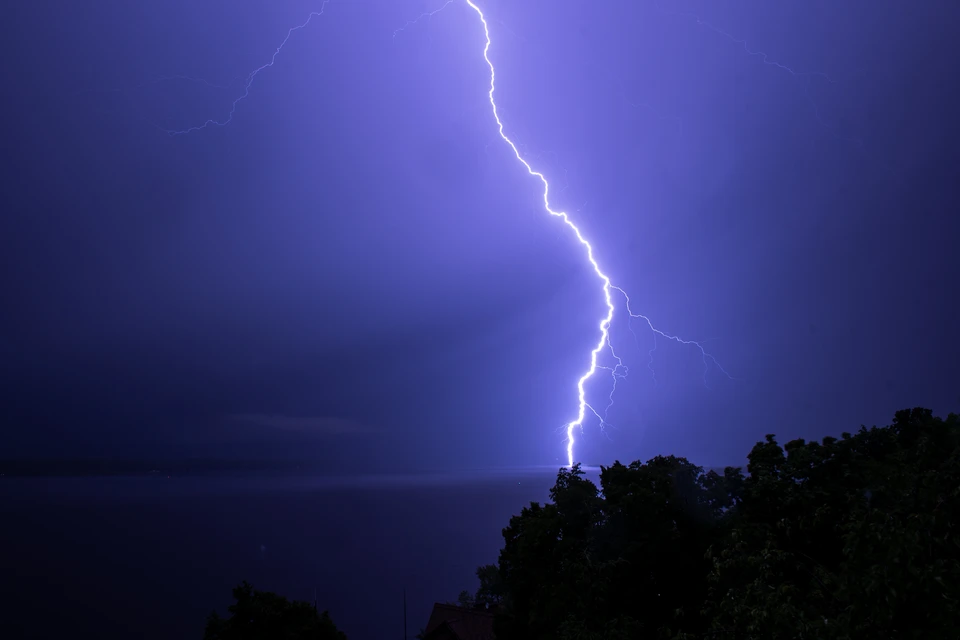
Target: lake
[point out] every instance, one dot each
(151, 556)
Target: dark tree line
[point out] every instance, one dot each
(261, 615)
(847, 538)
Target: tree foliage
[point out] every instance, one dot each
(259, 615)
(847, 538)
(490, 592)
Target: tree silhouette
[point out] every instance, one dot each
(846, 538)
(262, 615)
(490, 591)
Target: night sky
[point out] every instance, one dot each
(355, 270)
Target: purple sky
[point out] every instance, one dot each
(356, 271)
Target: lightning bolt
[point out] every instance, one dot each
(619, 370)
(604, 340)
(250, 78)
(603, 345)
(423, 16)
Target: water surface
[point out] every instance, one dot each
(150, 556)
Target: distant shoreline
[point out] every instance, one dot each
(80, 468)
(202, 467)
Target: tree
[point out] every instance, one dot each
(490, 591)
(465, 599)
(618, 561)
(849, 538)
(257, 615)
(841, 539)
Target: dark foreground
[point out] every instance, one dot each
(150, 557)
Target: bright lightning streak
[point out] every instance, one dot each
(604, 326)
(619, 370)
(607, 285)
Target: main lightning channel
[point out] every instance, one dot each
(607, 285)
(619, 369)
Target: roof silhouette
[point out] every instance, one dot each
(449, 621)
